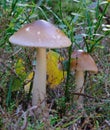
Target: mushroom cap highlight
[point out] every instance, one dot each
(40, 34)
(82, 61)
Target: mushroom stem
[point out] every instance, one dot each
(79, 87)
(39, 84)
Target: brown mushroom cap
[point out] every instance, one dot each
(40, 34)
(82, 61)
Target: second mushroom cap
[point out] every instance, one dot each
(82, 61)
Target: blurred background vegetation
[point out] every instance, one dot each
(87, 24)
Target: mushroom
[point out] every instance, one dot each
(41, 35)
(81, 61)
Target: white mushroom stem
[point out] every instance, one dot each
(79, 87)
(39, 84)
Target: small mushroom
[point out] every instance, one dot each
(81, 62)
(41, 35)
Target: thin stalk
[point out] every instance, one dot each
(68, 70)
(100, 19)
(97, 10)
(97, 26)
(89, 23)
(87, 46)
(68, 75)
(60, 4)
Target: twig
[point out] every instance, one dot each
(82, 94)
(51, 105)
(25, 121)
